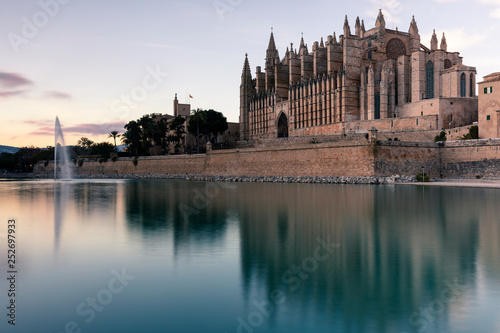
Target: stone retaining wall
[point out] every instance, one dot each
(358, 158)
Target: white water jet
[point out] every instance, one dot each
(61, 149)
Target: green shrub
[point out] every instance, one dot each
(114, 158)
(472, 135)
(423, 177)
(135, 161)
(441, 137)
(80, 162)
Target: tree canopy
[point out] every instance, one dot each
(208, 123)
(143, 133)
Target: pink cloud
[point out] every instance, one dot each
(57, 95)
(7, 94)
(13, 80)
(80, 129)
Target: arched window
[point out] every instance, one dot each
(471, 85)
(429, 69)
(462, 85)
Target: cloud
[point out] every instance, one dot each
(13, 80)
(495, 13)
(39, 122)
(57, 95)
(458, 39)
(78, 129)
(7, 94)
(390, 8)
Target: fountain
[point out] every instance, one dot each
(61, 149)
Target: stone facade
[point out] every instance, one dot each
(365, 76)
(489, 107)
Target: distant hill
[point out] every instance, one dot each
(8, 149)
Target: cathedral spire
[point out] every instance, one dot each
(272, 44)
(434, 41)
(347, 29)
(302, 42)
(444, 46)
(363, 26)
(272, 53)
(246, 67)
(334, 38)
(322, 45)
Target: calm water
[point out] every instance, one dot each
(175, 256)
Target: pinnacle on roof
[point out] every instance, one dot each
(413, 26)
(322, 44)
(380, 19)
(444, 45)
(434, 41)
(357, 27)
(347, 29)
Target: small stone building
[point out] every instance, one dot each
(489, 107)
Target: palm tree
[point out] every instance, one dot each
(198, 115)
(114, 135)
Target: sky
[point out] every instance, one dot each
(97, 64)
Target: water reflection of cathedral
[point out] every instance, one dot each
(399, 246)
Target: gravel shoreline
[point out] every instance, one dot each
(259, 179)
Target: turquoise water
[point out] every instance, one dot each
(177, 256)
